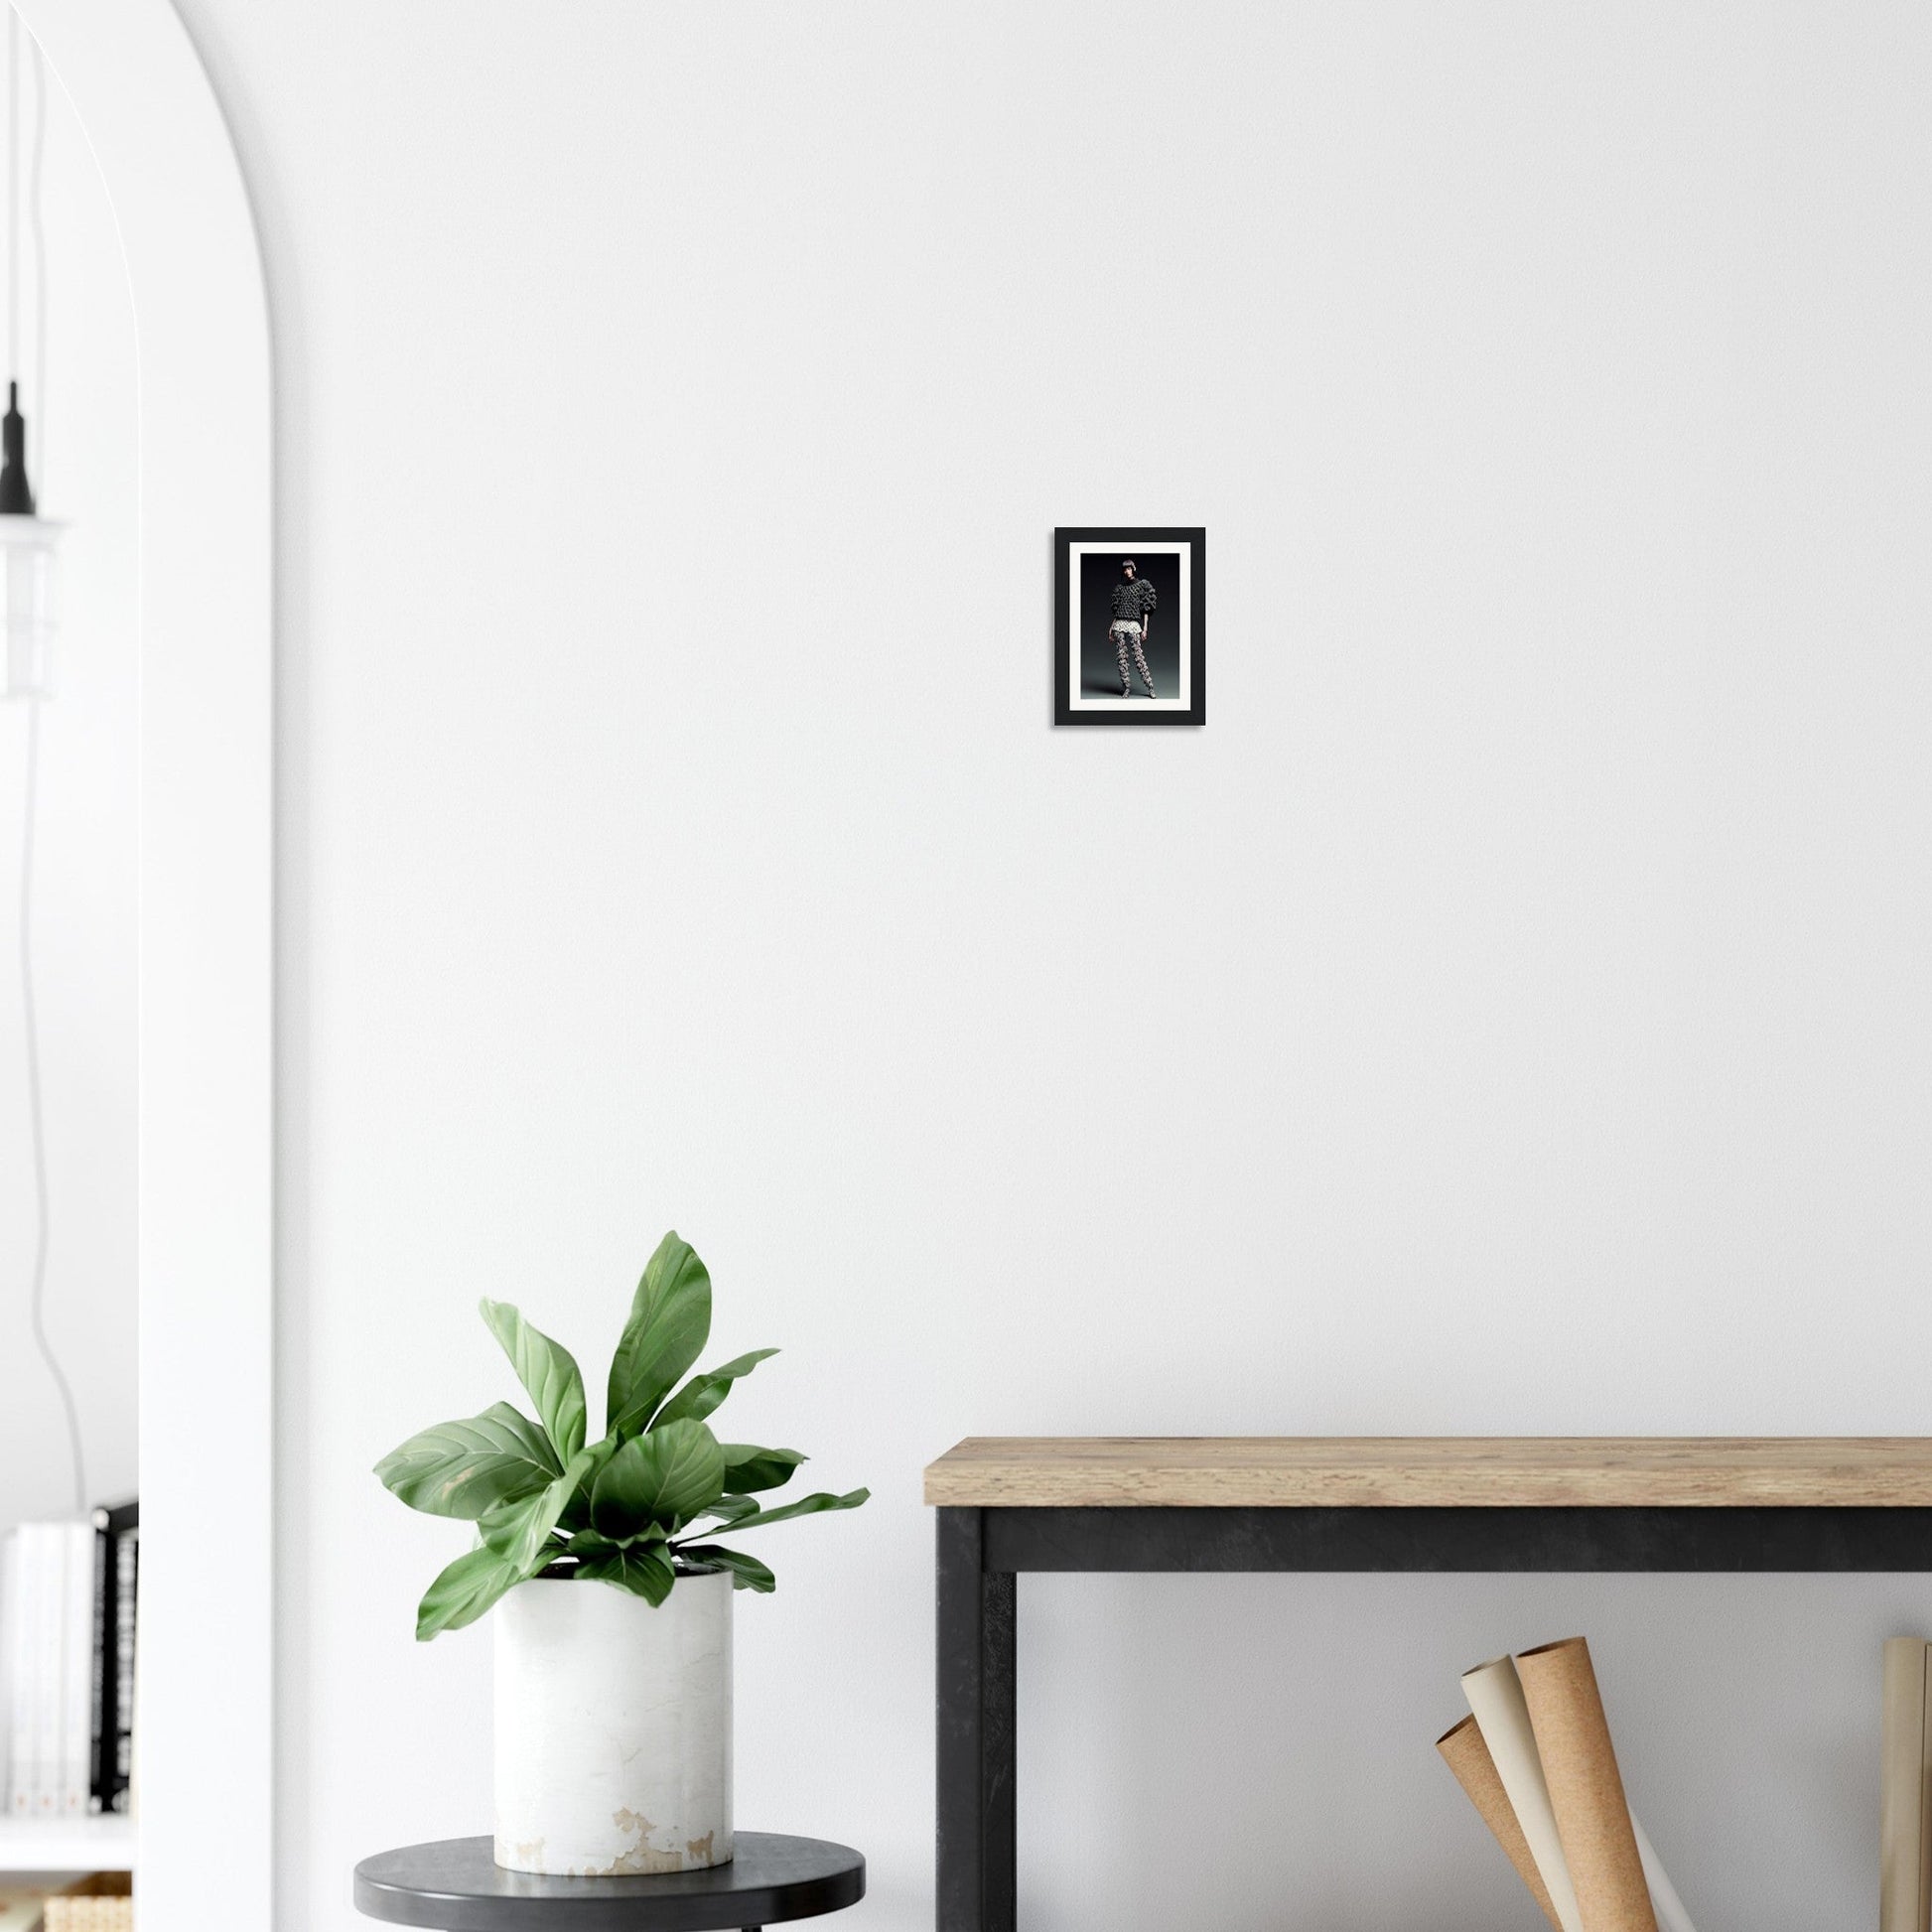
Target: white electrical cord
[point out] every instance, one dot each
(40, 262)
(13, 192)
(36, 1116)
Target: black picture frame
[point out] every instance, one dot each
(1075, 701)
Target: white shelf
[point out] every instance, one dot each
(67, 1845)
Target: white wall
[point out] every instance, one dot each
(83, 453)
(1507, 1015)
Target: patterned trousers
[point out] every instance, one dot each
(1124, 633)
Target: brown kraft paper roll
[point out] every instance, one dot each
(1585, 1788)
(1468, 1757)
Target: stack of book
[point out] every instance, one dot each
(1536, 1761)
(68, 1598)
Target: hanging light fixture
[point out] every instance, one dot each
(27, 539)
(27, 584)
(27, 542)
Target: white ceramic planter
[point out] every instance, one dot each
(614, 1728)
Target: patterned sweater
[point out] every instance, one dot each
(1132, 602)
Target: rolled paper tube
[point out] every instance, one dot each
(1671, 1915)
(1573, 1738)
(1496, 1699)
(1468, 1757)
(1904, 1785)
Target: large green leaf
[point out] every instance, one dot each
(548, 1370)
(732, 1509)
(805, 1507)
(702, 1393)
(520, 1532)
(587, 1543)
(644, 1570)
(749, 1467)
(666, 1477)
(468, 1468)
(671, 1318)
(577, 1511)
(463, 1592)
(617, 1507)
(748, 1572)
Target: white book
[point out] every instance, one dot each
(7, 1619)
(20, 1674)
(78, 1670)
(22, 1646)
(49, 1591)
(33, 1564)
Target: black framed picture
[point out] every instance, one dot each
(1130, 626)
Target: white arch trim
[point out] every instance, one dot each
(206, 1857)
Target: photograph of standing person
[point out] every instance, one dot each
(1129, 638)
(1135, 601)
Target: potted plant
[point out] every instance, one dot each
(613, 1704)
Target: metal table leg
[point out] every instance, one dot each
(976, 1712)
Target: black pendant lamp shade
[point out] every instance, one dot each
(16, 493)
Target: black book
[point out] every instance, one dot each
(117, 1542)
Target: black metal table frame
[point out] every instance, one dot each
(982, 1553)
(456, 1886)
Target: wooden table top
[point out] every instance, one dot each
(1386, 1471)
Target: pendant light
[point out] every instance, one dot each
(26, 567)
(27, 539)
(27, 542)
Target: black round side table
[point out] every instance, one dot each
(457, 1886)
